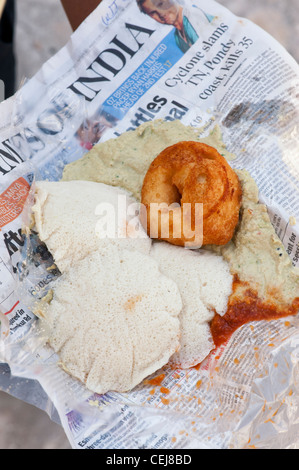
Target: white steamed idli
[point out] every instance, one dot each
(205, 283)
(113, 319)
(75, 218)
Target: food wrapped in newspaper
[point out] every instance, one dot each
(138, 342)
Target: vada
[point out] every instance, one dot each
(190, 196)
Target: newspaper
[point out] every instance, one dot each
(123, 67)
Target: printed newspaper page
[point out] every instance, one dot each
(127, 64)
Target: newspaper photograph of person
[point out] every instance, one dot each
(175, 13)
(92, 129)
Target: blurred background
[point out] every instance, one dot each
(40, 29)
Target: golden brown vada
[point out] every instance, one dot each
(190, 196)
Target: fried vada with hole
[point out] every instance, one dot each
(184, 178)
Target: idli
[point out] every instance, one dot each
(113, 319)
(76, 218)
(205, 284)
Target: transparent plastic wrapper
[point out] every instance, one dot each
(122, 68)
